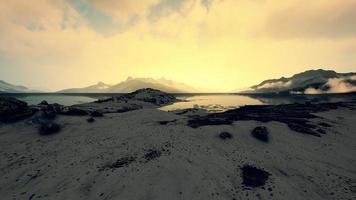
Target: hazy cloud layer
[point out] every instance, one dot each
(278, 84)
(314, 19)
(219, 44)
(335, 85)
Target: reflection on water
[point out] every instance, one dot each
(212, 103)
(209, 102)
(223, 102)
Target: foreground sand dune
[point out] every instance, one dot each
(152, 154)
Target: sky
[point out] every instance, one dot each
(218, 44)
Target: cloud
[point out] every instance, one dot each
(124, 10)
(278, 84)
(313, 19)
(101, 40)
(335, 85)
(47, 29)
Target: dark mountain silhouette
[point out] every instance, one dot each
(133, 84)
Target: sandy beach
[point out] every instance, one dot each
(129, 149)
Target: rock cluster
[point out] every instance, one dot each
(12, 109)
(156, 97)
(296, 116)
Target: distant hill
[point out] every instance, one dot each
(309, 82)
(97, 88)
(10, 88)
(133, 84)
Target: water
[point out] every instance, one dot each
(212, 103)
(223, 102)
(63, 99)
(209, 102)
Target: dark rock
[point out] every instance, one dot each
(56, 108)
(90, 120)
(96, 114)
(150, 95)
(49, 115)
(152, 154)
(253, 177)
(75, 111)
(43, 103)
(225, 135)
(49, 128)
(260, 133)
(296, 116)
(166, 122)
(12, 109)
(104, 100)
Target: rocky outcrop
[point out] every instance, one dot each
(296, 116)
(150, 95)
(12, 109)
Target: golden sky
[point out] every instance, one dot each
(219, 44)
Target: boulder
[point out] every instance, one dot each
(12, 109)
(43, 103)
(49, 128)
(260, 133)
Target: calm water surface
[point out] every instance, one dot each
(210, 102)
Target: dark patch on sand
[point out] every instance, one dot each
(325, 124)
(128, 108)
(90, 120)
(152, 154)
(49, 128)
(296, 116)
(75, 111)
(225, 135)
(166, 122)
(122, 162)
(96, 113)
(253, 177)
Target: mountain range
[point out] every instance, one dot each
(133, 84)
(10, 88)
(309, 82)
